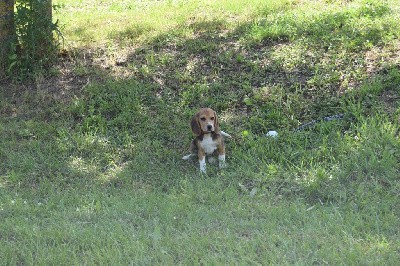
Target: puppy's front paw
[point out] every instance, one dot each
(221, 159)
(202, 164)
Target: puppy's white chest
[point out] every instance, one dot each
(208, 144)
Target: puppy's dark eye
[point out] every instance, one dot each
(212, 118)
(203, 119)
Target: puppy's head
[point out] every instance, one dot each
(205, 121)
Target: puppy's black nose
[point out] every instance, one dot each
(209, 127)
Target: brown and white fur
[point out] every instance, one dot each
(208, 137)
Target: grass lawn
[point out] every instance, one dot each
(90, 152)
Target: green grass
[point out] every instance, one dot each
(90, 155)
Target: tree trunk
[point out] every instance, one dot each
(44, 9)
(7, 32)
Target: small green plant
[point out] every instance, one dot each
(36, 46)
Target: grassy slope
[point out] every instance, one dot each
(95, 175)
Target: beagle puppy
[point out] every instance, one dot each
(208, 138)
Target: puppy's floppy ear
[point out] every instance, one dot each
(216, 124)
(194, 124)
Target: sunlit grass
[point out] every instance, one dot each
(132, 22)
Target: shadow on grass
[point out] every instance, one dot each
(281, 78)
(259, 76)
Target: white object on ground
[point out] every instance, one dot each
(225, 134)
(187, 157)
(272, 133)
